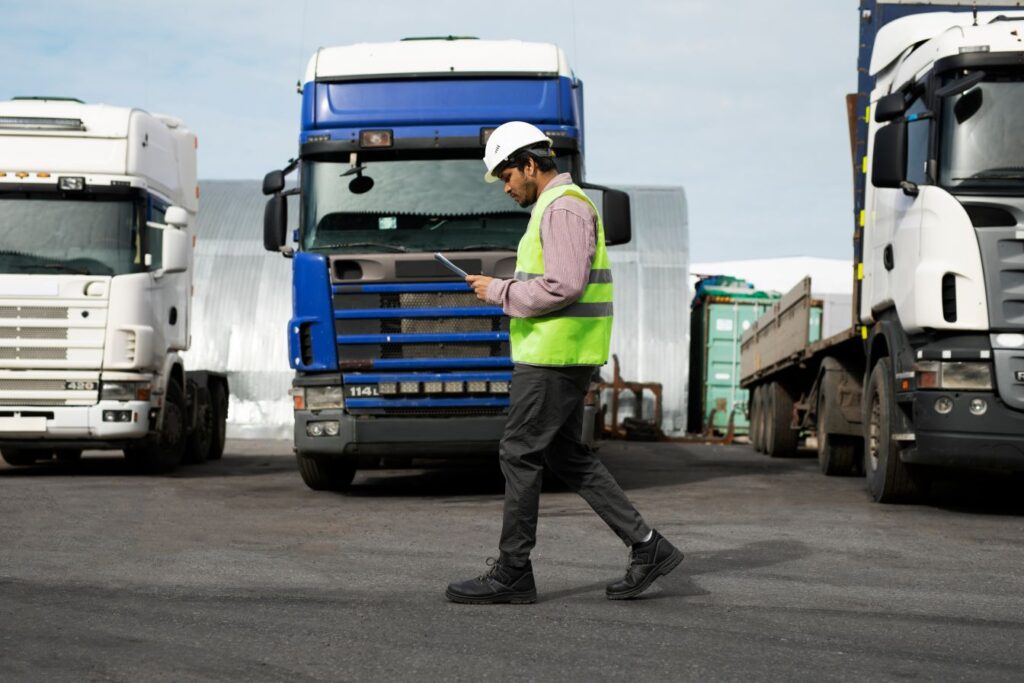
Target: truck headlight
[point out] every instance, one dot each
(319, 398)
(124, 391)
(953, 375)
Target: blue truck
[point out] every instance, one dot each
(394, 357)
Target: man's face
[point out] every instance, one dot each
(521, 186)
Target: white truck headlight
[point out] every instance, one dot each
(319, 398)
(954, 375)
(124, 391)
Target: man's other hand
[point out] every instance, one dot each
(479, 283)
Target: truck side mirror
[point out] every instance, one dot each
(275, 223)
(273, 182)
(176, 245)
(176, 216)
(890, 107)
(615, 212)
(889, 159)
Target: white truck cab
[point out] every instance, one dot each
(97, 227)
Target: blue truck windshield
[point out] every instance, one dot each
(413, 205)
(983, 137)
(85, 236)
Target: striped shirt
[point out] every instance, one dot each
(568, 233)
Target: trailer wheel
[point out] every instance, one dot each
(168, 451)
(762, 419)
(219, 404)
(756, 423)
(22, 457)
(325, 473)
(837, 453)
(780, 441)
(889, 479)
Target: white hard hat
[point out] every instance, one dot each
(506, 140)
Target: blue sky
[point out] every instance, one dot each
(740, 102)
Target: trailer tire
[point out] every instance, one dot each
(889, 479)
(219, 404)
(756, 420)
(838, 454)
(781, 439)
(325, 473)
(22, 457)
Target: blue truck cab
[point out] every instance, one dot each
(394, 356)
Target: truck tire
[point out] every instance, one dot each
(200, 436)
(889, 479)
(169, 450)
(837, 453)
(781, 439)
(219, 404)
(325, 473)
(22, 457)
(756, 420)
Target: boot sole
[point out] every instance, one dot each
(523, 598)
(667, 565)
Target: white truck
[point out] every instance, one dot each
(97, 227)
(931, 373)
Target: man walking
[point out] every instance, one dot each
(560, 303)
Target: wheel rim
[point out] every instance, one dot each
(874, 432)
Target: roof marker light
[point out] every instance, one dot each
(40, 123)
(375, 138)
(71, 183)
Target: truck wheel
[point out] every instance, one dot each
(168, 451)
(837, 453)
(756, 433)
(889, 479)
(219, 404)
(781, 439)
(325, 473)
(68, 454)
(21, 457)
(200, 438)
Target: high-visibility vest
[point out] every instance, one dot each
(580, 333)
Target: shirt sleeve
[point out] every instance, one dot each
(569, 246)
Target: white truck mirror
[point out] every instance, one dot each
(176, 246)
(176, 216)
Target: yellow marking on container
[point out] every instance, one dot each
(860, 219)
(867, 114)
(860, 271)
(863, 332)
(864, 164)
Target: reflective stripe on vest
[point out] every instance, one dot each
(577, 334)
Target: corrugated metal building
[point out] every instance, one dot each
(243, 302)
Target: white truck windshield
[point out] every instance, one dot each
(983, 137)
(84, 236)
(413, 205)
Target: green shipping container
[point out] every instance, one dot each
(722, 310)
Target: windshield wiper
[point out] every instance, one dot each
(480, 247)
(62, 266)
(379, 245)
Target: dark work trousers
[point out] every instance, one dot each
(545, 423)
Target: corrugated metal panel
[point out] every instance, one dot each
(243, 302)
(651, 331)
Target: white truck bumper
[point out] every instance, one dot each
(125, 420)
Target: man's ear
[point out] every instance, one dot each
(530, 169)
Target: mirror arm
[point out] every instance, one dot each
(289, 193)
(910, 189)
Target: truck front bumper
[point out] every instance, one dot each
(993, 440)
(81, 426)
(400, 436)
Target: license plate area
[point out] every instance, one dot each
(23, 424)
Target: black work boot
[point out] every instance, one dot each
(647, 561)
(503, 583)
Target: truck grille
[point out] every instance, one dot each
(38, 336)
(429, 348)
(37, 312)
(43, 353)
(33, 333)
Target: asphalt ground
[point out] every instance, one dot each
(233, 570)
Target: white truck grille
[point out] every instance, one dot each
(39, 335)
